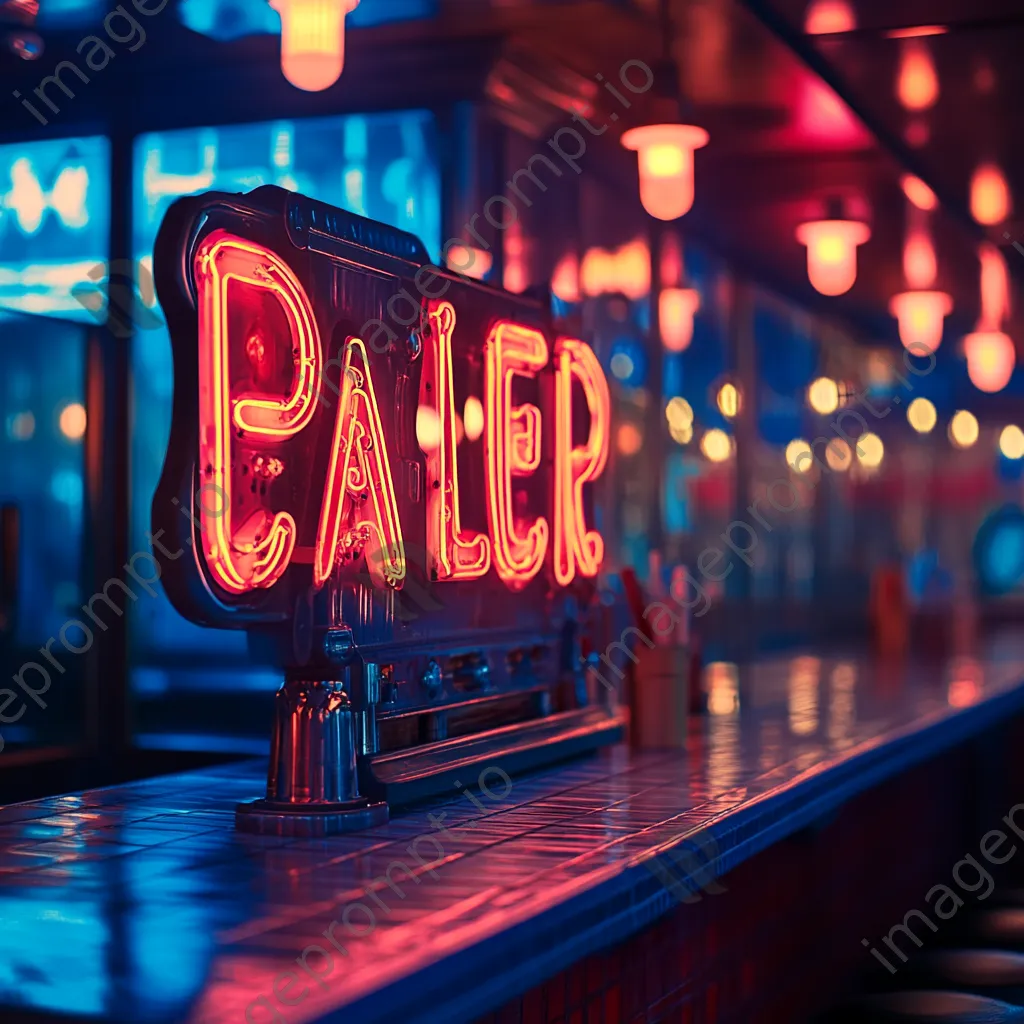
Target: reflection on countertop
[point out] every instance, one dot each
(141, 903)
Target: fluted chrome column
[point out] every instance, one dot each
(312, 750)
(312, 783)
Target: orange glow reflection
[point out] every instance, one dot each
(516, 275)
(628, 440)
(827, 16)
(565, 281)
(256, 553)
(919, 264)
(670, 268)
(917, 31)
(676, 307)
(918, 192)
(918, 85)
(832, 253)
(576, 547)
(990, 360)
(313, 41)
(962, 693)
(458, 554)
(665, 155)
(359, 514)
(512, 436)
(469, 261)
(920, 316)
(73, 421)
(626, 270)
(990, 195)
(995, 288)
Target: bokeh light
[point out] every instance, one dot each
(679, 412)
(628, 439)
(921, 415)
(728, 401)
(716, 445)
(428, 428)
(1011, 442)
(823, 396)
(963, 429)
(473, 418)
(799, 456)
(870, 450)
(72, 421)
(838, 455)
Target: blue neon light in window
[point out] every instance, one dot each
(54, 222)
(62, 14)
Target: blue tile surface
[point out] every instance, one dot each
(142, 903)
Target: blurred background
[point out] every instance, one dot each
(836, 317)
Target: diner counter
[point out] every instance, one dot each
(142, 903)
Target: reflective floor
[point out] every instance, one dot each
(141, 902)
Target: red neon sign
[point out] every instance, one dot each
(576, 547)
(295, 430)
(458, 554)
(359, 485)
(256, 552)
(513, 434)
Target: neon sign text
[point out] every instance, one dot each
(282, 461)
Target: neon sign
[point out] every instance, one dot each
(294, 448)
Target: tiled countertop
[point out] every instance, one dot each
(141, 903)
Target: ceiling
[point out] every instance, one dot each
(797, 121)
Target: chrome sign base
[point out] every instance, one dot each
(268, 817)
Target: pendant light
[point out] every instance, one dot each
(991, 355)
(832, 249)
(920, 311)
(665, 148)
(313, 41)
(990, 360)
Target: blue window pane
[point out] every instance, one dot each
(54, 226)
(41, 386)
(63, 14)
(383, 166)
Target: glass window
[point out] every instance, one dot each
(382, 166)
(54, 226)
(42, 377)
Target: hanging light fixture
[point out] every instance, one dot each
(920, 316)
(990, 360)
(920, 311)
(665, 149)
(825, 17)
(991, 355)
(665, 156)
(832, 253)
(313, 41)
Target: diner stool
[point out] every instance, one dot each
(996, 973)
(924, 1007)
